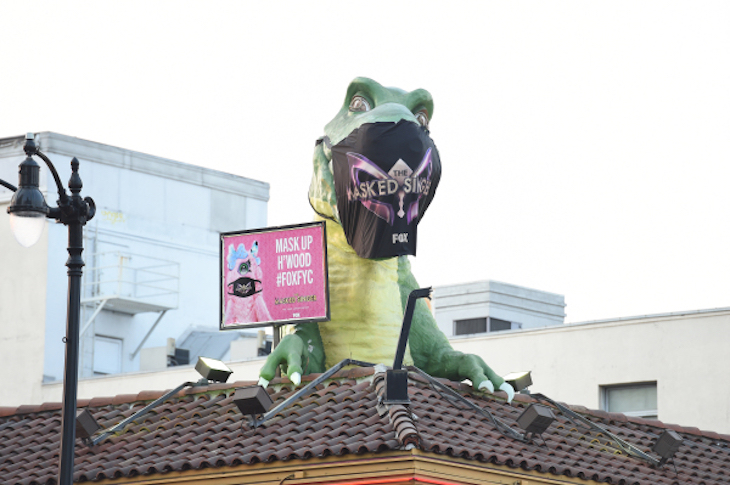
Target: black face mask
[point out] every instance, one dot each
(244, 287)
(385, 178)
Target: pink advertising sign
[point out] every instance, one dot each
(274, 275)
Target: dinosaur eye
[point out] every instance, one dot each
(358, 103)
(422, 118)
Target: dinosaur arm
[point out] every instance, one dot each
(288, 354)
(298, 354)
(313, 347)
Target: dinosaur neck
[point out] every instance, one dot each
(365, 305)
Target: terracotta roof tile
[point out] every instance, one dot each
(100, 401)
(201, 427)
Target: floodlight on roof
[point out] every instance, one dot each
(213, 370)
(86, 425)
(252, 400)
(535, 420)
(519, 380)
(667, 445)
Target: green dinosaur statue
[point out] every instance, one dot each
(368, 296)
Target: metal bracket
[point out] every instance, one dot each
(627, 448)
(501, 426)
(144, 410)
(149, 332)
(93, 316)
(306, 390)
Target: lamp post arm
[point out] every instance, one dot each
(8, 185)
(30, 150)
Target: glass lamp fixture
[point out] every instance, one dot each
(27, 228)
(28, 209)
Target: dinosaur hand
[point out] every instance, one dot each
(288, 354)
(472, 367)
(506, 387)
(486, 385)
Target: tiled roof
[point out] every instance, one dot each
(202, 428)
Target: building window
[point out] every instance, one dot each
(497, 325)
(483, 325)
(469, 326)
(638, 399)
(107, 355)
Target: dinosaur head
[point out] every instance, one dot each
(367, 101)
(376, 168)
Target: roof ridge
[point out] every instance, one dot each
(144, 395)
(151, 395)
(400, 416)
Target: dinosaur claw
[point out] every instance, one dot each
(486, 385)
(296, 378)
(263, 382)
(509, 390)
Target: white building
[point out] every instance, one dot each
(151, 254)
(491, 306)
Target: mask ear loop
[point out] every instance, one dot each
(328, 147)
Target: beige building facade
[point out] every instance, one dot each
(682, 355)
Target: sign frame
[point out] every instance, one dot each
(225, 237)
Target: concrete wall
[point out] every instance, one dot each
(686, 354)
(22, 300)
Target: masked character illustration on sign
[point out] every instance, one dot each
(376, 171)
(243, 301)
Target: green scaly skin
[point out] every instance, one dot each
(368, 297)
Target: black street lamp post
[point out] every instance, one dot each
(28, 210)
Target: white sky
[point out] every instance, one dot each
(585, 145)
